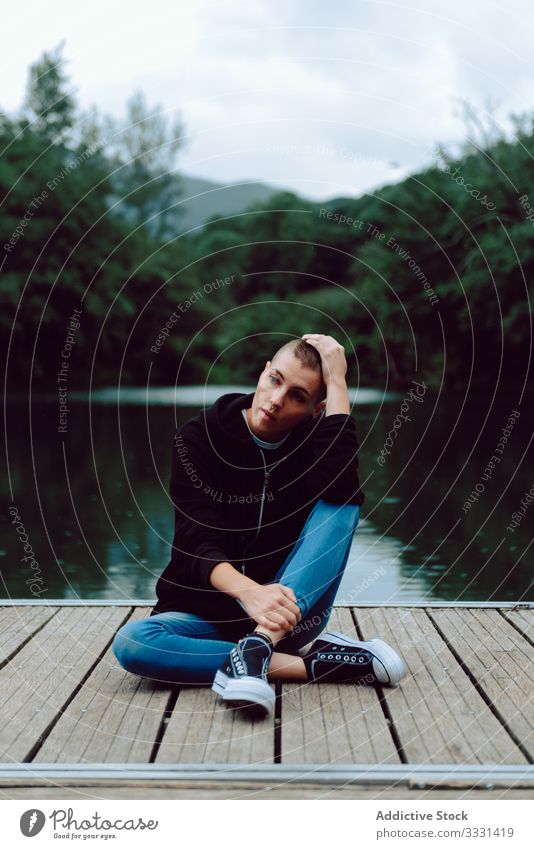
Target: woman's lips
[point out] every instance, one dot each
(267, 415)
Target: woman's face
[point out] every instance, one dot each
(285, 395)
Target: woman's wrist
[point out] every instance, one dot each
(337, 397)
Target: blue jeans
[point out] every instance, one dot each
(184, 648)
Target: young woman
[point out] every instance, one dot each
(266, 495)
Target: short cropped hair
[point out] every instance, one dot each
(308, 357)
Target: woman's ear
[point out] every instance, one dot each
(319, 409)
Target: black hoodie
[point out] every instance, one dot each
(238, 503)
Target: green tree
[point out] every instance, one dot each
(143, 149)
(49, 105)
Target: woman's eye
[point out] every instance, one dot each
(273, 378)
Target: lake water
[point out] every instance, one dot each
(95, 506)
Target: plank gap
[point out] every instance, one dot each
(278, 723)
(167, 713)
(519, 630)
(16, 650)
(395, 736)
(35, 749)
(480, 689)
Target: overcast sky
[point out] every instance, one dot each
(326, 98)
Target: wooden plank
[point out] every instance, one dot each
(203, 730)
(523, 621)
(115, 717)
(327, 723)
(500, 659)
(437, 713)
(38, 682)
(17, 625)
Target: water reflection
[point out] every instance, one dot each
(97, 510)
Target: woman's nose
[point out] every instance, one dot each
(277, 398)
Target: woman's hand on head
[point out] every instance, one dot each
(333, 360)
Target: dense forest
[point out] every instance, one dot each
(429, 276)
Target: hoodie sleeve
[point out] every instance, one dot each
(333, 472)
(200, 533)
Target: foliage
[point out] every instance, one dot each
(49, 106)
(431, 276)
(143, 149)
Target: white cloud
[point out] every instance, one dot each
(380, 79)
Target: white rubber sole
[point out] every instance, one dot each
(249, 693)
(387, 666)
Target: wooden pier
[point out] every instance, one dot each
(76, 725)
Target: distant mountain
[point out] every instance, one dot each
(202, 199)
(338, 203)
(187, 203)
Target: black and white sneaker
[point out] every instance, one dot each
(242, 679)
(334, 657)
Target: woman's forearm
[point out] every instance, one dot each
(229, 580)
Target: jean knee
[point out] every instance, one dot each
(128, 645)
(342, 519)
(351, 515)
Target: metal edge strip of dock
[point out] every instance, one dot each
(487, 775)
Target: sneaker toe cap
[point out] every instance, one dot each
(388, 666)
